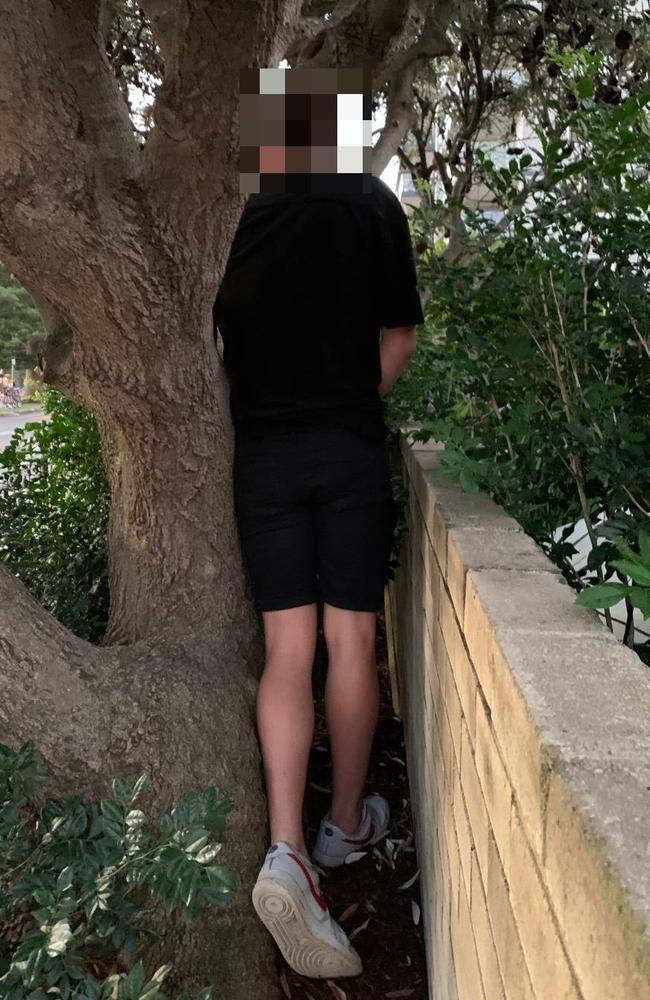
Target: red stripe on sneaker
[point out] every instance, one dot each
(318, 896)
(364, 840)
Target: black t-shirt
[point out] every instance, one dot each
(310, 280)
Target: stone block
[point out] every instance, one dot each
(463, 670)
(475, 805)
(510, 956)
(495, 785)
(464, 834)
(597, 869)
(482, 932)
(546, 959)
(527, 758)
(468, 975)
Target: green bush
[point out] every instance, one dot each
(54, 506)
(33, 391)
(79, 883)
(533, 364)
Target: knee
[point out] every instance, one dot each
(350, 634)
(290, 638)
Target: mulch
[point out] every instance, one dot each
(376, 899)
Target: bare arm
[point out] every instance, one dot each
(396, 346)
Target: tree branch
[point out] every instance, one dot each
(67, 143)
(190, 160)
(48, 678)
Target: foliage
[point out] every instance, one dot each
(79, 883)
(630, 563)
(135, 60)
(20, 323)
(502, 72)
(54, 508)
(533, 365)
(33, 389)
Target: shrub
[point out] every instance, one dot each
(79, 883)
(54, 506)
(533, 365)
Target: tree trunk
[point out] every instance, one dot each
(178, 705)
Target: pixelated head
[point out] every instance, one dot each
(304, 130)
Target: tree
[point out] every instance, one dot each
(20, 326)
(121, 236)
(499, 74)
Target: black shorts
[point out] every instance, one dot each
(316, 516)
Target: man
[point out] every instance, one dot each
(315, 272)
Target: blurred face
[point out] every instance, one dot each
(300, 126)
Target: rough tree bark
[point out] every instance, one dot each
(122, 249)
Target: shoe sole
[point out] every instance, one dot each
(285, 919)
(327, 862)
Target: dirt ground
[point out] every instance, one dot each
(375, 899)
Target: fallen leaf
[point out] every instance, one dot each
(337, 991)
(400, 845)
(408, 959)
(320, 788)
(415, 910)
(369, 907)
(409, 882)
(285, 985)
(348, 911)
(398, 759)
(355, 856)
(357, 930)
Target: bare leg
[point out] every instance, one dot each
(285, 717)
(351, 707)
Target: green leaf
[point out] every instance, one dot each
(640, 598)
(219, 874)
(638, 572)
(585, 87)
(112, 812)
(468, 482)
(64, 881)
(644, 546)
(208, 853)
(139, 787)
(121, 790)
(603, 595)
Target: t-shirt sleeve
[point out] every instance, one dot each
(399, 299)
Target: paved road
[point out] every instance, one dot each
(10, 421)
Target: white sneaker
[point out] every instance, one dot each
(289, 902)
(333, 844)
